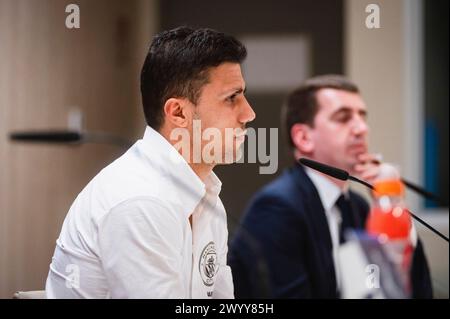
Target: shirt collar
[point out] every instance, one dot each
(328, 191)
(166, 159)
(213, 184)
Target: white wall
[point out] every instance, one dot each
(387, 64)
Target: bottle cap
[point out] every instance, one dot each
(388, 187)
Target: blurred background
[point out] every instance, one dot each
(52, 77)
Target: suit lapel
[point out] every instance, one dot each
(315, 211)
(315, 215)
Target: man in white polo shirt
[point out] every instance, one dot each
(151, 224)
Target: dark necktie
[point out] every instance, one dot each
(345, 206)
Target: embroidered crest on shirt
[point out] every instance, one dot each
(208, 265)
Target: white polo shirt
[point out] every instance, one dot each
(128, 235)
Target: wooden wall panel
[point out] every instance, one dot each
(45, 71)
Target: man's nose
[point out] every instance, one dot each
(360, 126)
(247, 113)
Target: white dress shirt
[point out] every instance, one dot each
(128, 235)
(329, 194)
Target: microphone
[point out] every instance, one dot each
(47, 136)
(69, 137)
(344, 175)
(424, 193)
(332, 171)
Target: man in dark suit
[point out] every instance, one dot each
(288, 243)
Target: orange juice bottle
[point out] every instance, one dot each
(389, 220)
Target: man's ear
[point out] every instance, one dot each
(301, 137)
(176, 112)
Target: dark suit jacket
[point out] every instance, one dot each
(283, 248)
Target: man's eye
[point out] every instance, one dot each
(364, 116)
(231, 98)
(343, 118)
